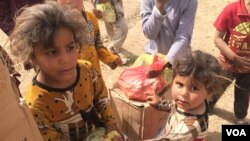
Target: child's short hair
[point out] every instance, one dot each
(200, 66)
(36, 25)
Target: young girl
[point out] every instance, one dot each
(118, 30)
(93, 49)
(67, 96)
(196, 75)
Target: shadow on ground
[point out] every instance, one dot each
(130, 56)
(226, 115)
(214, 136)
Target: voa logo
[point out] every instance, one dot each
(236, 132)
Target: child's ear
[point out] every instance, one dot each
(33, 60)
(34, 63)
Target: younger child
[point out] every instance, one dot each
(93, 49)
(196, 76)
(232, 37)
(67, 98)
(117, 31)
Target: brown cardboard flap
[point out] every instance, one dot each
(4, 41)
(138, 120)
(16, 121)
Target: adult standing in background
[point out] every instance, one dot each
(168, 24)
(8, 9)
(117, 31)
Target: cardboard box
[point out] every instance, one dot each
(138, 120)
(16, 121)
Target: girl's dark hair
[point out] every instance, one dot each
(36, 25)
(200, 66)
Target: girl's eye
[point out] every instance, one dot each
(179, 85)
(195, 88)
(70, 48)
(51, 52)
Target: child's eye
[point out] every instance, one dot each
(179, 85)
(195, 88)
(70, 48)
(51, 52)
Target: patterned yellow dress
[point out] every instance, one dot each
(71, 113)
(93, 49)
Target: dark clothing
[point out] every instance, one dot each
(8, 9)
(241, 95)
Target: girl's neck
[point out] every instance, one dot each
(48, 81)
(201, 109)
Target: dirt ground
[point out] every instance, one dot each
(202, 40)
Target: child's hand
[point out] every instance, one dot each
(113, 134)
(97, 13)
(242, 64)
(103, 1)
(116, 63)
(157, 73)
(152, 99)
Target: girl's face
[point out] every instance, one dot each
(57, 64)
(188, 93)
(78, 4)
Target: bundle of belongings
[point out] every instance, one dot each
(135, 83)
(136, 118)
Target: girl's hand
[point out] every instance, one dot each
(152, 99)
(103, 1)
(116, 63)
(97, 13)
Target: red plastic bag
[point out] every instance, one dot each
(157, 64)
(135, 84)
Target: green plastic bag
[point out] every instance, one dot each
(98, 135)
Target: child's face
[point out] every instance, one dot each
(78, 4)
(188, 93)
(58, 63)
